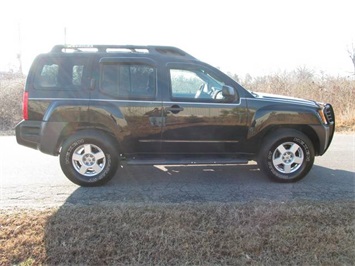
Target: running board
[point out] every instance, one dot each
(183, 161)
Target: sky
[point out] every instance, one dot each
(252, 37)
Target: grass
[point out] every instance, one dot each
(306, 233)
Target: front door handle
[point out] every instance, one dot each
(174, 109)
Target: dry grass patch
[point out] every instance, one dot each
(191, 234)
(21, 236)
(11, 89)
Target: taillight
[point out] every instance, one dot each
(25, 105)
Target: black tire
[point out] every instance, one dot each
(286, 155)
(89, 158)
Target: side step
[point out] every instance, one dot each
(183, 160)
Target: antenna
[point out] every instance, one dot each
(65, 36)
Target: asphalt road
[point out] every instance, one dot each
(30, 179)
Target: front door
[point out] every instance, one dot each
(198, 118)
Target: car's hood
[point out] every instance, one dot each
(285, 99)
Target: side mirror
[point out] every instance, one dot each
(229, 93)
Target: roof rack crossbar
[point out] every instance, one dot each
(153, 49)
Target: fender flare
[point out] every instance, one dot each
(281, 115)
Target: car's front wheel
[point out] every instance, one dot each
(286, 155)
(89, 158)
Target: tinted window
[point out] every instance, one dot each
(195, 85)
(128, 81)
(60, 73)
(185, 83)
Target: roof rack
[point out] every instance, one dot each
(166, 50)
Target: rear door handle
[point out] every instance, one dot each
(174, 109)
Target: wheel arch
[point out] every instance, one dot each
(305, 129)
(74, 128)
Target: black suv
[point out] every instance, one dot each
(99, 106)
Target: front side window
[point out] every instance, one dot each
(60, 73)
(128, 81)
(195, 85)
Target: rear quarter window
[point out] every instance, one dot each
(61, 73)
(128, 81)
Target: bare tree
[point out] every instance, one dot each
(351, 52)
(19, 54)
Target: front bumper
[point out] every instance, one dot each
(326, 132)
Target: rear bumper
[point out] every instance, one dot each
(40, 135)
(28, 133)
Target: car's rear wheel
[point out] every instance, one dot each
(89, 158)
(286, 155)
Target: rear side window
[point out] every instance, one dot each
(61, 73)
(128, 81)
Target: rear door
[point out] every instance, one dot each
(197, 118)
(128, 100)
